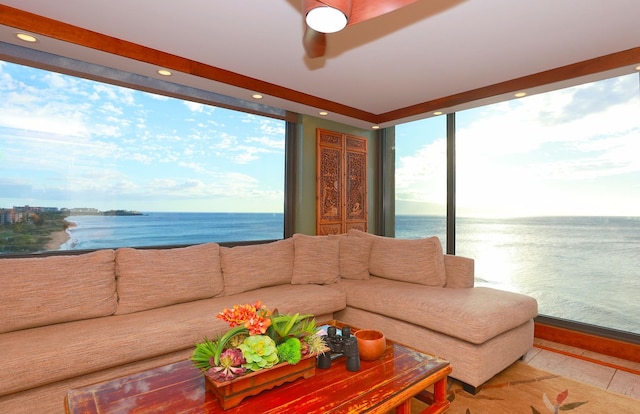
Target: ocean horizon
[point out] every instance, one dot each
(578, 268)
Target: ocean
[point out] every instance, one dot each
(585, 269)
(154, 229)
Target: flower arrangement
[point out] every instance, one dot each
(258, 339)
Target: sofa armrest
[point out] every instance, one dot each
(459, 270)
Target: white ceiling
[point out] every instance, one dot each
(425, 51)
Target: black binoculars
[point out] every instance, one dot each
(340, 345)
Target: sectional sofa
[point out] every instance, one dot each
(72, 320)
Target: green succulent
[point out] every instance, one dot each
(259, 351)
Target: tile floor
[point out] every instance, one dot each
(610, 374)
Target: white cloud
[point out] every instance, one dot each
(194, 106)
(422, 176)
(538, 155)
(267, 142)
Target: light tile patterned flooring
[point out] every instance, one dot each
(613, 374)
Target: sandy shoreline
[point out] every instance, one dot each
(58, 238)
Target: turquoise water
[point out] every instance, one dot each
(585, 269)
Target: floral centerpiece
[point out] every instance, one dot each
(258, 339)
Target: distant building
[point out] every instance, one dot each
(5, 215)
(19, 214)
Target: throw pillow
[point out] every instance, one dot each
(316, 260)
(354, 256)
(408, 260)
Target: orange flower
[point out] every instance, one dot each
(254, 317)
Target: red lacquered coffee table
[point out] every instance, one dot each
(379, 386)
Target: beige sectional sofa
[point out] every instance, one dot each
(72, 320)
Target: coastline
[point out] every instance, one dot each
(58, 238)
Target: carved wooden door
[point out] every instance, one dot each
(341, 182)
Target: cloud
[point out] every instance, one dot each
(422, 175)
(105, 144)
(194, 106)
(267, 142)
(534, 155)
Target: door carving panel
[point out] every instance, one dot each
(341, 182)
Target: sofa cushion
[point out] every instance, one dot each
(474, 315)
(354, 256)
(121, 339)
(316, 260)
(55, 289)
(150, 279)
(422, 260)
(251, 267)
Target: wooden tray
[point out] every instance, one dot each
(231, 393)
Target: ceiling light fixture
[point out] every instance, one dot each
(638, 67)
(437, 113)
(375, 127)
(164, 72)
(520, 94)
(323, 113)
(327, 16)
(26, 37)
(256, 96)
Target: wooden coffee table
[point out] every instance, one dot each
(379, 386)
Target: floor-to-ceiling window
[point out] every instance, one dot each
(121, 167)
(548, 199)
(421, 179)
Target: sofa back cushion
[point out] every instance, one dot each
(316, 260)
(149, 279)
(354, 256)
(43, 291)
(407, 260)
(251, 267)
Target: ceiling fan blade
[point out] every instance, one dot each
(315, 43)
(362, 10)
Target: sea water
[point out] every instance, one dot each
(155, 229)
(585, 269)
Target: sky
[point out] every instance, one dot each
(68, 142)
(571, 152)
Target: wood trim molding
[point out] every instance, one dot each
(589, 342)
(62, 31)
(44, 26)
(564, 73)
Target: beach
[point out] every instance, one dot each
(58, 238)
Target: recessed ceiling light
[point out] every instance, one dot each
(323, 113)
(437, 113)
(256, 96)
(375, 127)
(520, 94)
(638, 67)
(26, 37)
(164, 72)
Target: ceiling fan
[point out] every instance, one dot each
(330, 16)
